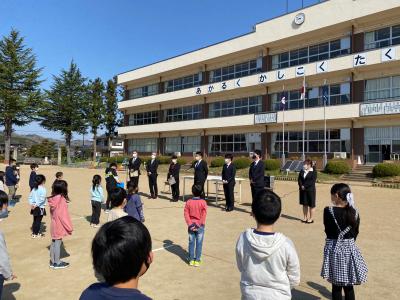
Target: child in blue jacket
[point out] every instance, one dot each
(134, 206)
(37, 199)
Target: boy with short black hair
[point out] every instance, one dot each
(195, 216)
(59, 176)
(11, 179)
(32, 176)
(121, 253)
(267, 260)
(118, 203)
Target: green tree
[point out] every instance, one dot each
(113, 117)
(45, 148)
(20, 96)
(95, 109)
(64, 105)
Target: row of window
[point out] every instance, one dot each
(243, 106)
(382, 88)
(337, 140)
(374, 39)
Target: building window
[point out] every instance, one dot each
(337, 94)
(185, 113)
(183, 144)
(338, 140)
(142, 145)
(383, 37)
(243, 106)
(313, 53)
(238, 142)
(143, 91)
(144, 118)
(182, 83)
(235, 71)
(382, 88)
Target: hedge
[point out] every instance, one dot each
(242, 162)
(272, 164)
(337, 167)
(218, 161)
(386, 170)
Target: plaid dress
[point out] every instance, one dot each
(343, 263)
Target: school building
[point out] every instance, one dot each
(226, 98)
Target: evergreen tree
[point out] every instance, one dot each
(20, 97)
(65, 105)
(113, 117)
(95, 109)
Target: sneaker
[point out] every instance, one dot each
(51, 266)
(107, 211)
(96, 225)
(34, 236)
(191, 263)
(197, 263)
(61, 265)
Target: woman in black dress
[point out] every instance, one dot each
(173, 177)
(306, 181)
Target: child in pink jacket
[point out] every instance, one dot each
(61, 224)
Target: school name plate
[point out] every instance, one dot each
(265, 118)
(380, 108)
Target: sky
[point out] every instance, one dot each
(106, 38)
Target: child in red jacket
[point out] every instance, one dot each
(195, 217)
(61, 224)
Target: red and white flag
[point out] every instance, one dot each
(303, 89)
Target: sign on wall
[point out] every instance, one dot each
(265, 118)
(380, 108)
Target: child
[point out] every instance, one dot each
(118, 202)
(134, 206)
(121, 253)
(5, 266)
(111, 182)
(61, 224)
(37, 200)
(267, 260)
(343, 264)
(2, 174)
(34, 169)
(3, 205)
(59, 176)
(11, 179)
(97, 197)
(195, 217)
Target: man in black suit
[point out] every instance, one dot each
(228, 180)
(200, 172)
(134, 168)
(173, 174)
(151, 169)
(256, 175)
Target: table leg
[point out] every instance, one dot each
(216, 193)
(240, 192)
(183, 192)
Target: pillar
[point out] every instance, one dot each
(15, 153)
(357, 144)
(357, 91)
(59, 156)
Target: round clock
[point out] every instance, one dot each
(299, 18)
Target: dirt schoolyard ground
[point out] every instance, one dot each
(169, 276)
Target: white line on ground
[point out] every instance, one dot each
(163, 248)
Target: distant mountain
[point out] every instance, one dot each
(31, 139)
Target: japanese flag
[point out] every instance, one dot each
(303, 90)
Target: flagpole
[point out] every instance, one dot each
(283, 129)
(303, 157)
(325, 158)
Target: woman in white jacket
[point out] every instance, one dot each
(267, 260)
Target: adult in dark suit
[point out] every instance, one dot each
(173, 172)
(228, 180)
(134, 168)
(256, 175)
(200, 171)
(152, 174)
(306, 180)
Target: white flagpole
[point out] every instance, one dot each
(283, 128)
(325, 158)
(303, 157)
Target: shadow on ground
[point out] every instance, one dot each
(175, 249)
(63, 251)
(321, 289)
(9, 289)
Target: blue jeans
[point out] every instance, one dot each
(196, 239)
(1, 284)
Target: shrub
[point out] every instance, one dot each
(182, 161)
(386, 170)
(217, 162)
(164, 160)
(104, 159)
(242, 162)
(272, 164)
(337, 167)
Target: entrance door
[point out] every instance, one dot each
(385, 150)
(374, 154)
